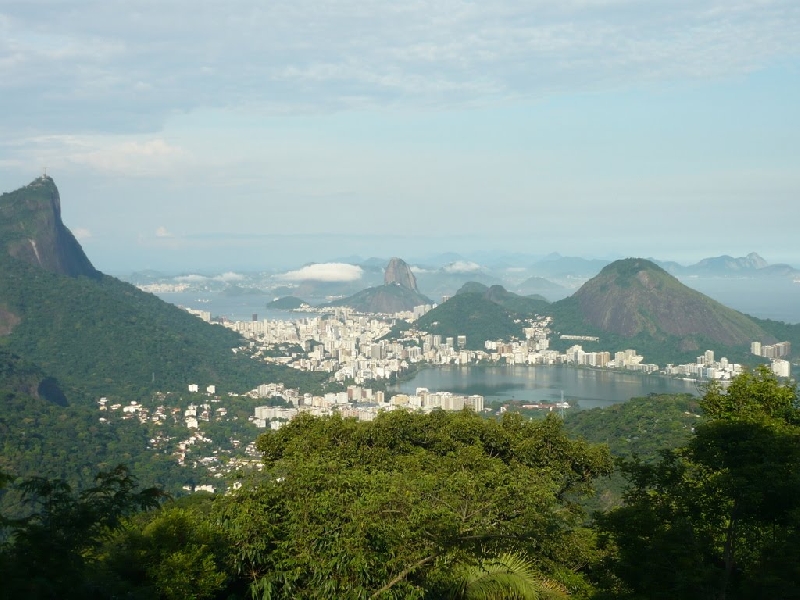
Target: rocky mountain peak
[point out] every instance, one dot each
(634, 296)
(755, 261)
(31, 230)
(397, 271)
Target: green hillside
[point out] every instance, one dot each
(522, 306)
(472, 315)
(69, 335)
(634, 303)
(109, 338)
(95, 334)
(388, 298)
(640, 427)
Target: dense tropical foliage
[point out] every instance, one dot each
(447, 505)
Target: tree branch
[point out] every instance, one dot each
(403, 574)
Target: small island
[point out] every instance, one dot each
(287, 303)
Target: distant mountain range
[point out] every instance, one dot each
(751, 265)
(560, 268)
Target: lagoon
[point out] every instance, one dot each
(582, 387)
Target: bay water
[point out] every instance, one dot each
(582, 387)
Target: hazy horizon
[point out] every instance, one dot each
(280, 262)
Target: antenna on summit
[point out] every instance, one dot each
(44, 172)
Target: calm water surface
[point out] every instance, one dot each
(235, 308)
(586, 388)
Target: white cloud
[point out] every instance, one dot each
(191, 279)
(162, 232)
(146, 157)
(415, 269)
(330, 272)
(94, 65)
(462, 266)
(230, 276)
(81, 233)
(113, 155)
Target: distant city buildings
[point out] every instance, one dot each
(775, 352)
(781, 368)
(352, 347)
(779, 350)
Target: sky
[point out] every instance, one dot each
(253, 135)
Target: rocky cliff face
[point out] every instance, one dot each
(31, 230)
(397, 271)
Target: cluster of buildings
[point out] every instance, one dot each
(778, 350)
(193, 448)
(351, 348)
(356, 402)
(706, 367)
(776, 353)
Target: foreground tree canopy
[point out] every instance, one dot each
(388, 509)
(437, 506)
(719, 518)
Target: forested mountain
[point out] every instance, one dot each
(32, 231)
(516, 305)
(94, 333)
(69, 335)
(473, 315)
(636, 302)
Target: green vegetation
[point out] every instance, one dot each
(640, 427)
(388, 298)
(784, 332)
(107, 338)
(479, 312)
(448, 505)
(471, 315)
(39, 438)
(719, 517)
(93, 333)
(520, 306)
(633, 303)
(386, 508)
(51, 549)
